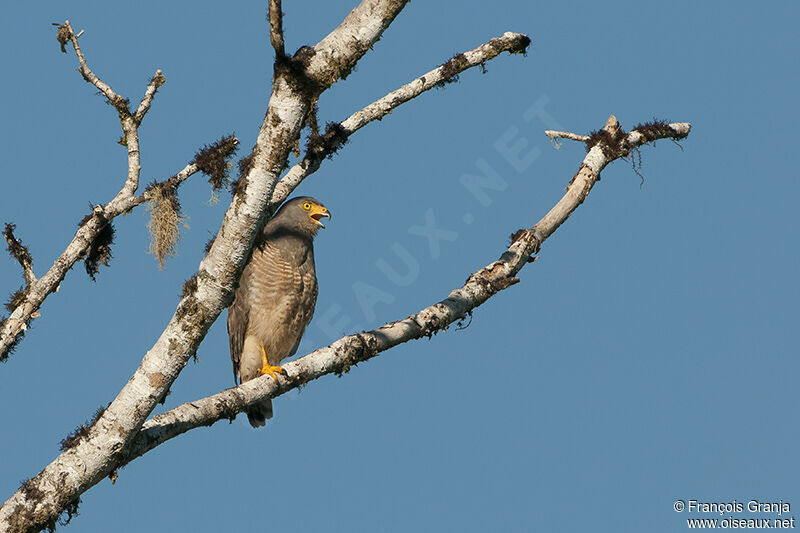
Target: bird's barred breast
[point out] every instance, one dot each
(279, 301)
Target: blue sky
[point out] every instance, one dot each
(648, 356)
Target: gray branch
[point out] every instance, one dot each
(122, 431)
(19, 252)
(353, 349)
(39, 289)
(276, 28)
(508, 42)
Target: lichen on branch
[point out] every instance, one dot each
(166, 221)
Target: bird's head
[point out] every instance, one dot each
(302, 214)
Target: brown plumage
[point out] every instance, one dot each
(276, 296)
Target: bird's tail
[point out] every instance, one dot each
(259, 413)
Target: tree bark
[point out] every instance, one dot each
(122, 431)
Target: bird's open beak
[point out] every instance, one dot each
(318, 212)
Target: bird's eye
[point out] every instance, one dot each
(307, 206)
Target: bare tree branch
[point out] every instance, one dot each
(39, 289)
(508, 42)
(353, 349)
(276, 28)
(87, 73)
(566, 135)
(129, 122)
(144, 106)
(116, 435)
(27, 308)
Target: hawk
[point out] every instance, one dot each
(276, 296)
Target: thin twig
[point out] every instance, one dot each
(566, 135)
(87, 73)
(129, 122)
(144, 106)
(19, 252)
(171, 182)
(276, 28)
(39, 289)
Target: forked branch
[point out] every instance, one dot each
(337, 134)
(353, 349)
(26, 307)
(90, 458)
(86, 72)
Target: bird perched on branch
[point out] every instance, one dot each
(276, 296)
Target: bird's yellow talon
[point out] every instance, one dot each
(266, 368)
(272, 371)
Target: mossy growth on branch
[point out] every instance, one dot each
(99, 252)
(63, 35)
(69, 512)
(209, 244)
(15, 247)
(81, 431)
(121, 104)
(15, 299)
(311, 118)
(658, 129)
(611, 143)
(14, 343)
(330, 142)
(245, 165)
(517, 235)
(522, 46)
(450, 70)
(36, 518)
(212, 160)
(189, 286)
